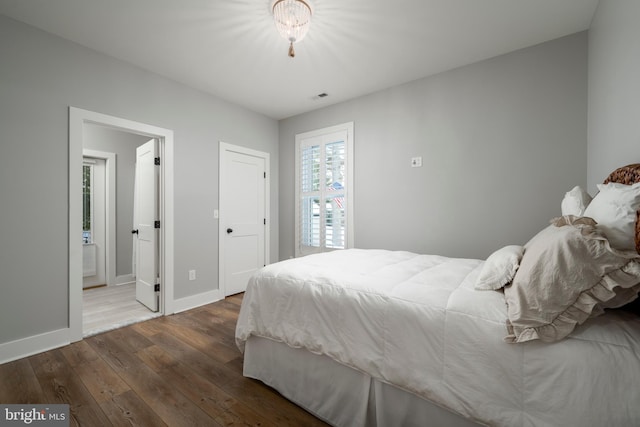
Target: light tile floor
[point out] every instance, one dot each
(111, 307)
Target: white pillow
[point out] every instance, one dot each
(614, 209)
(499, 269)
(575, 202)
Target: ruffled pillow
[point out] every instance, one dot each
(568, 273)
(499, 269)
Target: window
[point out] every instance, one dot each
(324, 189)
(87, 203)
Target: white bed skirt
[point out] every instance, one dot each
(337, 394)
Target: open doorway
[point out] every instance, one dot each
(88, 132)
(109, 183)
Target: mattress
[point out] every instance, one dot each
(417, 323)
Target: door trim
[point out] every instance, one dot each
(77, 118)
(223, 150)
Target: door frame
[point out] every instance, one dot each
(110, 210)
(225, 148)
(77, 119)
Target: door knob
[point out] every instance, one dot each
(229, 230)
(134, 231)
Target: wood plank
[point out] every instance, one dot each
(235, 299)
(236, 365)
(129, 340)
(223, 408)
(128, 409)
(119, 403)
(149, 327)
(101, 380)
(61, 385)
(162, 397)
(203, 335)
(19, 383)
(267, 402)
(222, 330)
(184, 329)
(78, 353)
(210, 368)
(176, 370)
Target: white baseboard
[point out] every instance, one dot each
(29, 346)
(193, 301)
(124, 279)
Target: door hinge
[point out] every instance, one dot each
(156, 288)
(265, 175)
(265, 221)
(156, 161)
(156, 224)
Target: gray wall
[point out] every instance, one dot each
(124, 146)
(502, 140)
(40, 77)
(614, 88)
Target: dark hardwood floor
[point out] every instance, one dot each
(179, 370)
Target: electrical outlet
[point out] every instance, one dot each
(416, 162)
(192, 275)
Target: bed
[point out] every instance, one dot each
(389, 338)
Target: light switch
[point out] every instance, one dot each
(416, 162)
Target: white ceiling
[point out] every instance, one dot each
(231, 49)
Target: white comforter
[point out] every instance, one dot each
(416, 322)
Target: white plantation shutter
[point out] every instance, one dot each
(324, 170)
(310, 195)
(334, 225)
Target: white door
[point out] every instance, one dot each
(242, 217)
(145, 216)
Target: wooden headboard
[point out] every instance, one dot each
(629, 174)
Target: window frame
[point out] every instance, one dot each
(91, 165)
(321, 137)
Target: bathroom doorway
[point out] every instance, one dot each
(88, 131)
(108, 215)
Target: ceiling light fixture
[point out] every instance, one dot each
(293, 18)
